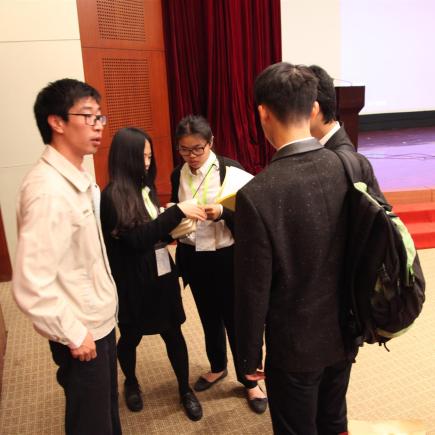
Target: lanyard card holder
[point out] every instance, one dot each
(205, 236)
(162, 259)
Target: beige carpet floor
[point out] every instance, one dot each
(386, 387)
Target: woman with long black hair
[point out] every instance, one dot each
(136, 234)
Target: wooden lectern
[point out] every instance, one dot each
(350, 100)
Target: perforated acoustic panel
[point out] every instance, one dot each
(128, 93)
(121, 19)
(124, 58)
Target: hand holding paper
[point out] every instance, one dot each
(187, 225)
(214, 211)
(192, 210)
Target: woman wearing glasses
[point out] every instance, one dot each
(135, 233)
(205, 257)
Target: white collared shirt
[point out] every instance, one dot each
(62, 277)
(330, 133)
(294, 141)
(209, 191)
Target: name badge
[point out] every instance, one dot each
(162, 260)
(205, 236)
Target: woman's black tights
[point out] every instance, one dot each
(175, 347)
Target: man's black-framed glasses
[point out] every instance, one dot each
(92, 119)
(197, 150)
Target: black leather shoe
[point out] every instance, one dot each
(133, 397)
(191, 406)
(258, 405)
(202, 384)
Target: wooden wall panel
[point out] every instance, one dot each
(101, 166)
(124, 58)
(124, 24)
(134, 89)
(163, 152)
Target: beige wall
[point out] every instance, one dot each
(39, 43)
(311, 33)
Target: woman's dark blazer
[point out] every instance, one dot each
(146, 301)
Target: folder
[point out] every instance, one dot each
(228, 201)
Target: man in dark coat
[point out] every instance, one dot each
(324, 126)
(290, 232)
(328, 131)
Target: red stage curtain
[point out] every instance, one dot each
(214, 51)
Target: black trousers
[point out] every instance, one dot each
(91, 389)
(309, 403)
(175, 347)
(210, 275)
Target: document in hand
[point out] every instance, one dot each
(185, 227)
(228, 201)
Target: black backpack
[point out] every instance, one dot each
(384, 284)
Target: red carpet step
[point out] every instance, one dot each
(419, 218)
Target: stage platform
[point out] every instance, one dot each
(404, 164)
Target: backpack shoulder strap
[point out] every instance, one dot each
(223, 163)
(222, 168)
(358, 168)
(351, 164)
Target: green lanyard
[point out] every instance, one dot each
(151, 208)
(205, 180)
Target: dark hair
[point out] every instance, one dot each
(56, 99)
(325, 94)
(194, 124)
(127, 177)
(289, 91)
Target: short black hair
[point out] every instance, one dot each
(194, 124)
(289, 91)
(56, 99)
(325, 94)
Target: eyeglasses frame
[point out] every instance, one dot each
(186, 152)
(97, 118)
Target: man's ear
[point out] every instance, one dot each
(56, 123)
(263, 112)
(211, 142)
(315, 111)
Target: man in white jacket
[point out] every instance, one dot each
(62, 278)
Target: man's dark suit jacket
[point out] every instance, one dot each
(339, 141)
(290, 228)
